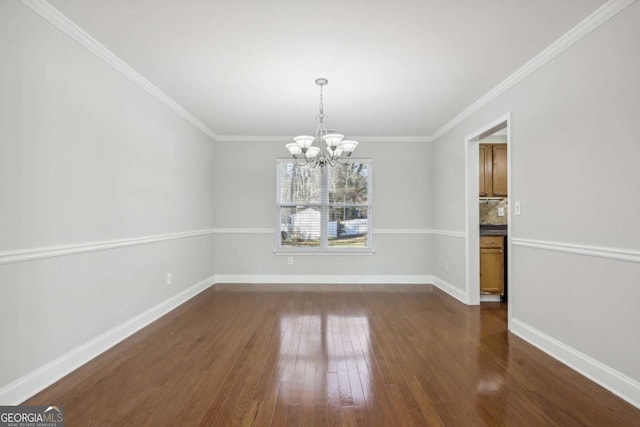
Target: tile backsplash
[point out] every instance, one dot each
(489, 211)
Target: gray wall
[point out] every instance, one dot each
(245, 176)
(575, 154)
(88, 156)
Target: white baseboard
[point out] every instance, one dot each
(447, 287)
(323, 278)
(489, 298)
(417, 279)
(36, 381)
(614, 381)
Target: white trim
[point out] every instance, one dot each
(471, 209)
(30, 384)
(244, 230)
(448, 288)
(332, 279)
(401, 231)
(614, 381)
(391, 139)
(448, 233)
(254, 138)
(593, 21)
(285, 139)
(489, 298)
(324, 205)
(322, 279)
(324, 252)
(57, 18)
(594, 251)
(30, 254)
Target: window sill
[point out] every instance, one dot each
(323, 252)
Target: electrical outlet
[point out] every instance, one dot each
(500, 211)
(169, 279)
(290, 260)
(446, 266)
(516, 208)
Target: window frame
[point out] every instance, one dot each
(325, 205)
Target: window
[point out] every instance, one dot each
(324, 209)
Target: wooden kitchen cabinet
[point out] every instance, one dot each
(485, 172)
(499, 170)
(492, 265)
(493, 170)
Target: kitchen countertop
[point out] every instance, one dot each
(493, 230)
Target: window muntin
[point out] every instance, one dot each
(324, 208)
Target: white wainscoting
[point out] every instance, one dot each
(614, 381)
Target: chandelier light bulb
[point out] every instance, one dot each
(304, 141)
(312, 152)
(293, 148)
(332, 139)
(348, 146)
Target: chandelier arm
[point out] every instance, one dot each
(341, 160)
(303, 163)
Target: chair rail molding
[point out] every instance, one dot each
(22, 255)
(628, 255)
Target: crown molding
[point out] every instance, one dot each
(58, 19)
(593, 21)
(284, 139)
(370, 139)
(253, 138)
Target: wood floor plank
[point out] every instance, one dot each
(331, 355)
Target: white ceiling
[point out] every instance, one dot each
(247, 67)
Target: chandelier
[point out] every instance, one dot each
(331, 150)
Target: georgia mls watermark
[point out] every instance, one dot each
(31, 416)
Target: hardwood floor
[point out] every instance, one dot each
(327, 355)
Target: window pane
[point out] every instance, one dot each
(299, 184)
(348, 227)
(300, 226)
(349, 183)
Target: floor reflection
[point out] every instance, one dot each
(325, 358)
(492, 370)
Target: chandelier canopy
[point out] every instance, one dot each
(332, 148)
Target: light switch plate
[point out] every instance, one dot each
(516, 208)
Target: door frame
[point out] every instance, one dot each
(472, 210)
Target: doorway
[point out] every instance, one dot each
(496, 209)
